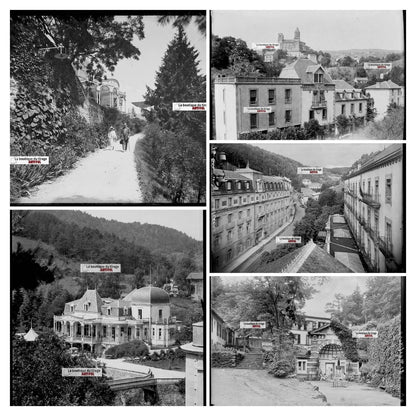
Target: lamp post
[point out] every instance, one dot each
(217, 158)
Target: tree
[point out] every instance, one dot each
(327, 198)
(178, 80)
(92, 40)
(37, 380)
(313, 129)
(324, 58)
(184, 20)
(347, 61)
(343, 123)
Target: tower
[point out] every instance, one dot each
(280, 37)
(297, 34)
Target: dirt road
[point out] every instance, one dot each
(105, 176)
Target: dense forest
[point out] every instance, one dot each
(154, 237)
(266, 162)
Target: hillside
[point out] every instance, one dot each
(267, 162)
(361, 52)
(153, 237)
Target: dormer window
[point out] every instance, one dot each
(318, 78)
(72, 307)
(229, 185)
(86, 307)
(108, 311)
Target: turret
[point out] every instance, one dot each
(297, 34)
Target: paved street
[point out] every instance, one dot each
(103, 176)
(271, 244)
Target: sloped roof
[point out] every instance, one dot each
(341, 84)
(195, 276)
(92, 298)
(304, 69)
(383, 85)
(31, 335)
(230, 174)
(390, 153)
(148, 295)
(319, 261)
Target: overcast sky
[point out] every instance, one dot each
(325, 155)
(189, 221)
(320, 30)
(135, 75)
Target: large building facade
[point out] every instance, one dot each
(321, 355)
(238, 98)
(350, 102)
(373, 208)
(246, 208)
(97, 323)
(318, 91)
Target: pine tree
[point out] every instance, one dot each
(178, 80)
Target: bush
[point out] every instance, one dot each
(281, 368)
(134, 348)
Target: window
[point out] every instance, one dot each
(247, 185)
(72, 308)
(253, 121)
(153, 332)
(311, 115)
(240, 215)
(272, 96)
(217, 221)
(104, 331)
(352, 108)
(343, 109)
(288, 116)
(230, 202)
(389, 234)
(271, 119)
(217, 240)
(229, 254)
(288, 96)
(137, 332)
(86, 307)
(253, 97)
(324, 114)
(318, 78)
(160, 333)
(217, 204)
(160, 313)
(388, 190)
(229, 186)
(140, 313)
(360, 107)
(229, 236)
(240, 230)
(248, 212)
(230, 217)
(301, 366)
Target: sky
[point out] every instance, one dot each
(319, 29)
(189, 221)
(135, 75)
(326, 155)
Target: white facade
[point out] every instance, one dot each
(374, 211)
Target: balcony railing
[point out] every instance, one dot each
(373, 200)
(386, 247)
(319, 104)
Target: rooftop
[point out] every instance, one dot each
(195, 276)
(392, 152)
(257, 80)
(304, 68)
(383, 85)
(148, 295)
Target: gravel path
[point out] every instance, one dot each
(105, 176)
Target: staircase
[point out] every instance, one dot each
(251, 361)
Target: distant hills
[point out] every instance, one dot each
(361, 52)
(155, 238)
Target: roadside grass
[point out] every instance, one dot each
(153, 189)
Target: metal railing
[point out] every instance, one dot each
(371, 199)
(319, 104)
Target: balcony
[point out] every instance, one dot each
(373, 200)
(386, 247)
(318, 104)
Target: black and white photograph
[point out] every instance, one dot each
(107, 308)
(107, 108)
(307, 341)
(307, 75)
(307, 208)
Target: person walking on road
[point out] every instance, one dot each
(126, 136)
(112, 137)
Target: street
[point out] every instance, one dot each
(103, 176)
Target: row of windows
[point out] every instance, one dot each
(242, 200)
(254, 119)
(352, 108)
(271, 96)
(366, 187)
